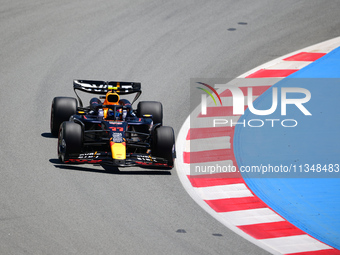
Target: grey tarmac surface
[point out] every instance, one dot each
(49, 208)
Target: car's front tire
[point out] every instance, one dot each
(70, 140)
(164, 144)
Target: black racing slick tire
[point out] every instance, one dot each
(151, 107)
(70, 140)
(164, 144)
(61, 110)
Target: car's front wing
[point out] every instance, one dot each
(132, 159)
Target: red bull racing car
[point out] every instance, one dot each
(109, 130)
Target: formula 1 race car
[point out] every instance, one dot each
(111, 132)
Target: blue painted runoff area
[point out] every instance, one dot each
(299, 174)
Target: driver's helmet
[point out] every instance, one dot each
(111, 98)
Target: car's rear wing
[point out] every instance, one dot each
(102, 87)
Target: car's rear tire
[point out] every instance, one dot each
(151, 107)
(164, 144)
(70, 140)
(61, 110)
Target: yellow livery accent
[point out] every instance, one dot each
(105, 113)
(118, 150)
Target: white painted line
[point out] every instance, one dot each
(294, 244)
(251, 216)
(323, 47)
(250, 82)
(289, 65)
(220, 121)
(206, 144)
(224, 191)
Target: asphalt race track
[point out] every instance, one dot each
(49, 208)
